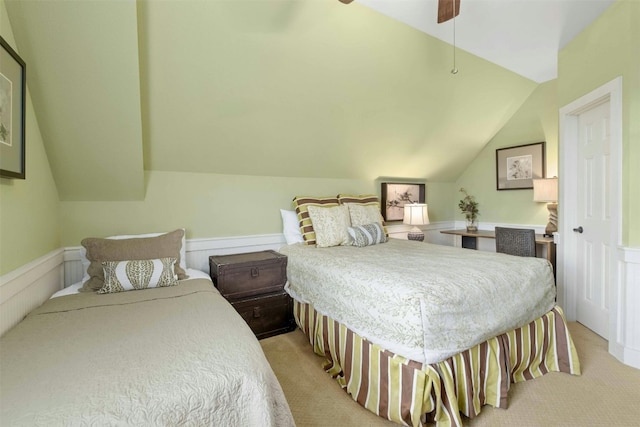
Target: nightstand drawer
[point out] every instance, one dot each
(267, 315)
(245, 275)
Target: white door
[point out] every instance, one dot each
(594, 221)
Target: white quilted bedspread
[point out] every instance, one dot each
(177, 356)
(422, 301)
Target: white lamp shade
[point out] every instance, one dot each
(545, 190)
(416, 214)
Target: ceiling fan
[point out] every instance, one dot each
(446, 9)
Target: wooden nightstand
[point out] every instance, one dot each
(254, 285)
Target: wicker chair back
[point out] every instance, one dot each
(516, 241)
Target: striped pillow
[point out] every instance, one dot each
(367, 235)
(120, 276)
(301, 205)
(361, 199)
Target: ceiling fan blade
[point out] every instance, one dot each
(445, 10)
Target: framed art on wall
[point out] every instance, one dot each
(517, 167)
(13, 84)
(396, 195)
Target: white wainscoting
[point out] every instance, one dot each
(27, 287)
(625, 346)
(199, 250)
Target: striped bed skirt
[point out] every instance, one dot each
(412, 393)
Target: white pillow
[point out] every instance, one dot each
(330, 225)
(85, 262)
(291, 227)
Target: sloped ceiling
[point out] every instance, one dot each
(83, 78)
(523, 36)
(268, 87)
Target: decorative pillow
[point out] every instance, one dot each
(364, 214)
(291, 227)
(330, 225)
(85, 262)
(364, 200)
(367, 234)
(98, 250)
(301, 205)
(120, 276)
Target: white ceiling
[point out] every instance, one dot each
(523, 36)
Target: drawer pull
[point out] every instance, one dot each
(256, 311)
(255, 271)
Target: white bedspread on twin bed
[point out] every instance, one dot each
(422, 301)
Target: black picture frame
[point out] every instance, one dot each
(395, 195)
(518, 166)
(13, 84)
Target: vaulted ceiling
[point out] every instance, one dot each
(523, 36)
(263, 87)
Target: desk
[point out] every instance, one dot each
(466, 239)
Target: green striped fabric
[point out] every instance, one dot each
(301, 206)
(411, 393)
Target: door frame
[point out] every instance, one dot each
(567, 218)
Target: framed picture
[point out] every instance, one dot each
(517, 167)
(396, 195)
(13, 83)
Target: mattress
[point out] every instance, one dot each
(422, 301)
(177, 355)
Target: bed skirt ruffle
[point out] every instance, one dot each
(412, 393)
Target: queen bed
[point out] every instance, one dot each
(421, 333)
(166, 355)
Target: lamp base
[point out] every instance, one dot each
(552, 226)
(416, 234)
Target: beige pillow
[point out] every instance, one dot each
(331, 225)
(120, 276)
(100, 250)
(364, 200)
(364, 214)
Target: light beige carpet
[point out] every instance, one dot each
(606, 394)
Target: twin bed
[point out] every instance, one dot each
(169, 355)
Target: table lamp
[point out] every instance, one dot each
(416, 214)
(546, 190)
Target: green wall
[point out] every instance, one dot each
(33, 221)
(29, 219)
(609, 48)
(210, 205)
(535, 121)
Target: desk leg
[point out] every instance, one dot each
(551, 256)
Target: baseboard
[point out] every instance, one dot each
(625, 346)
